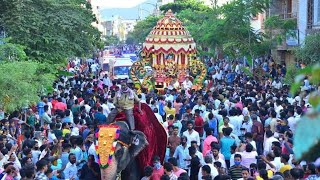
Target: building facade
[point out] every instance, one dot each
(309, 18)
(95, 9)
(286, 10)
(118, 27)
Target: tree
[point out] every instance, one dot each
(240, 36)
(111, 40)
(309, 53)
(11, 52)
(181, 5)
(221, 30)
(21, 83)
(277, 29)
(142, 29)
(51, 30)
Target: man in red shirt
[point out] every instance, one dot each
(258, 133)
(198, 122)
(60, 105)
(54, 101)
(158, 170)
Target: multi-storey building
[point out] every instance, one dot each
(95, 9)
(118, 27)
(286, 10)
(308, 18)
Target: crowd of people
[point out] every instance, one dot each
(235, 127)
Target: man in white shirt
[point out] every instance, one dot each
(278, 107)
(277, 84)
(191, 134)
(92, 149)
(216, 157)
(87, 106)
(51, 136)
(199, 106)
(105, 107)
(292, 121)
(249, 139)
(71, 171)
(94, 68)
(214, 76)
(187, 84)
(277, 158)
(198, 153)
(158, 116)
(268, 143)
(247, 124)
(214, 172)
(235, 121)
(169, 97)
(107, 81)
(219, 74)
(217, 103)
(110, 104)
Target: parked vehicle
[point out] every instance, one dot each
(121, 68)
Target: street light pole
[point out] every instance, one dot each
(145, 11)
(155, 6)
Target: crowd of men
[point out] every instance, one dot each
(235, 127)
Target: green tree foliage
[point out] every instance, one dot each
(277, 29)
(111, 40)
(11, 52)
(309, 53)
(292, 72)
(239, 36)
(142, 29)
(226, 29)
(181, 5)
(21, 82)
(51, 30)
(216, 30)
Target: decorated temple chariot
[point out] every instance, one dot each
(170, 52)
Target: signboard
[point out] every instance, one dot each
(292, 38)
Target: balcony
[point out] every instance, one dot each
(288, 15)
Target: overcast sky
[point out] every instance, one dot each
(106, 4)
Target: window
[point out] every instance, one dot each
(310, 13)
(105, 67)
(318, 13)
(121, 70)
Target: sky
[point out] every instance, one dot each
(127, 9)
(107, 4)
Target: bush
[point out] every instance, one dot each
(309, 53)
(292, 72)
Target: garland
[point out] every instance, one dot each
(107, 141)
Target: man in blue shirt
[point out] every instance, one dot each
(182, 154)
(65, 154)
(226, 142)
(40, 106)
(68, 118)
(213, 124)
(99, 116)
(230, 77)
